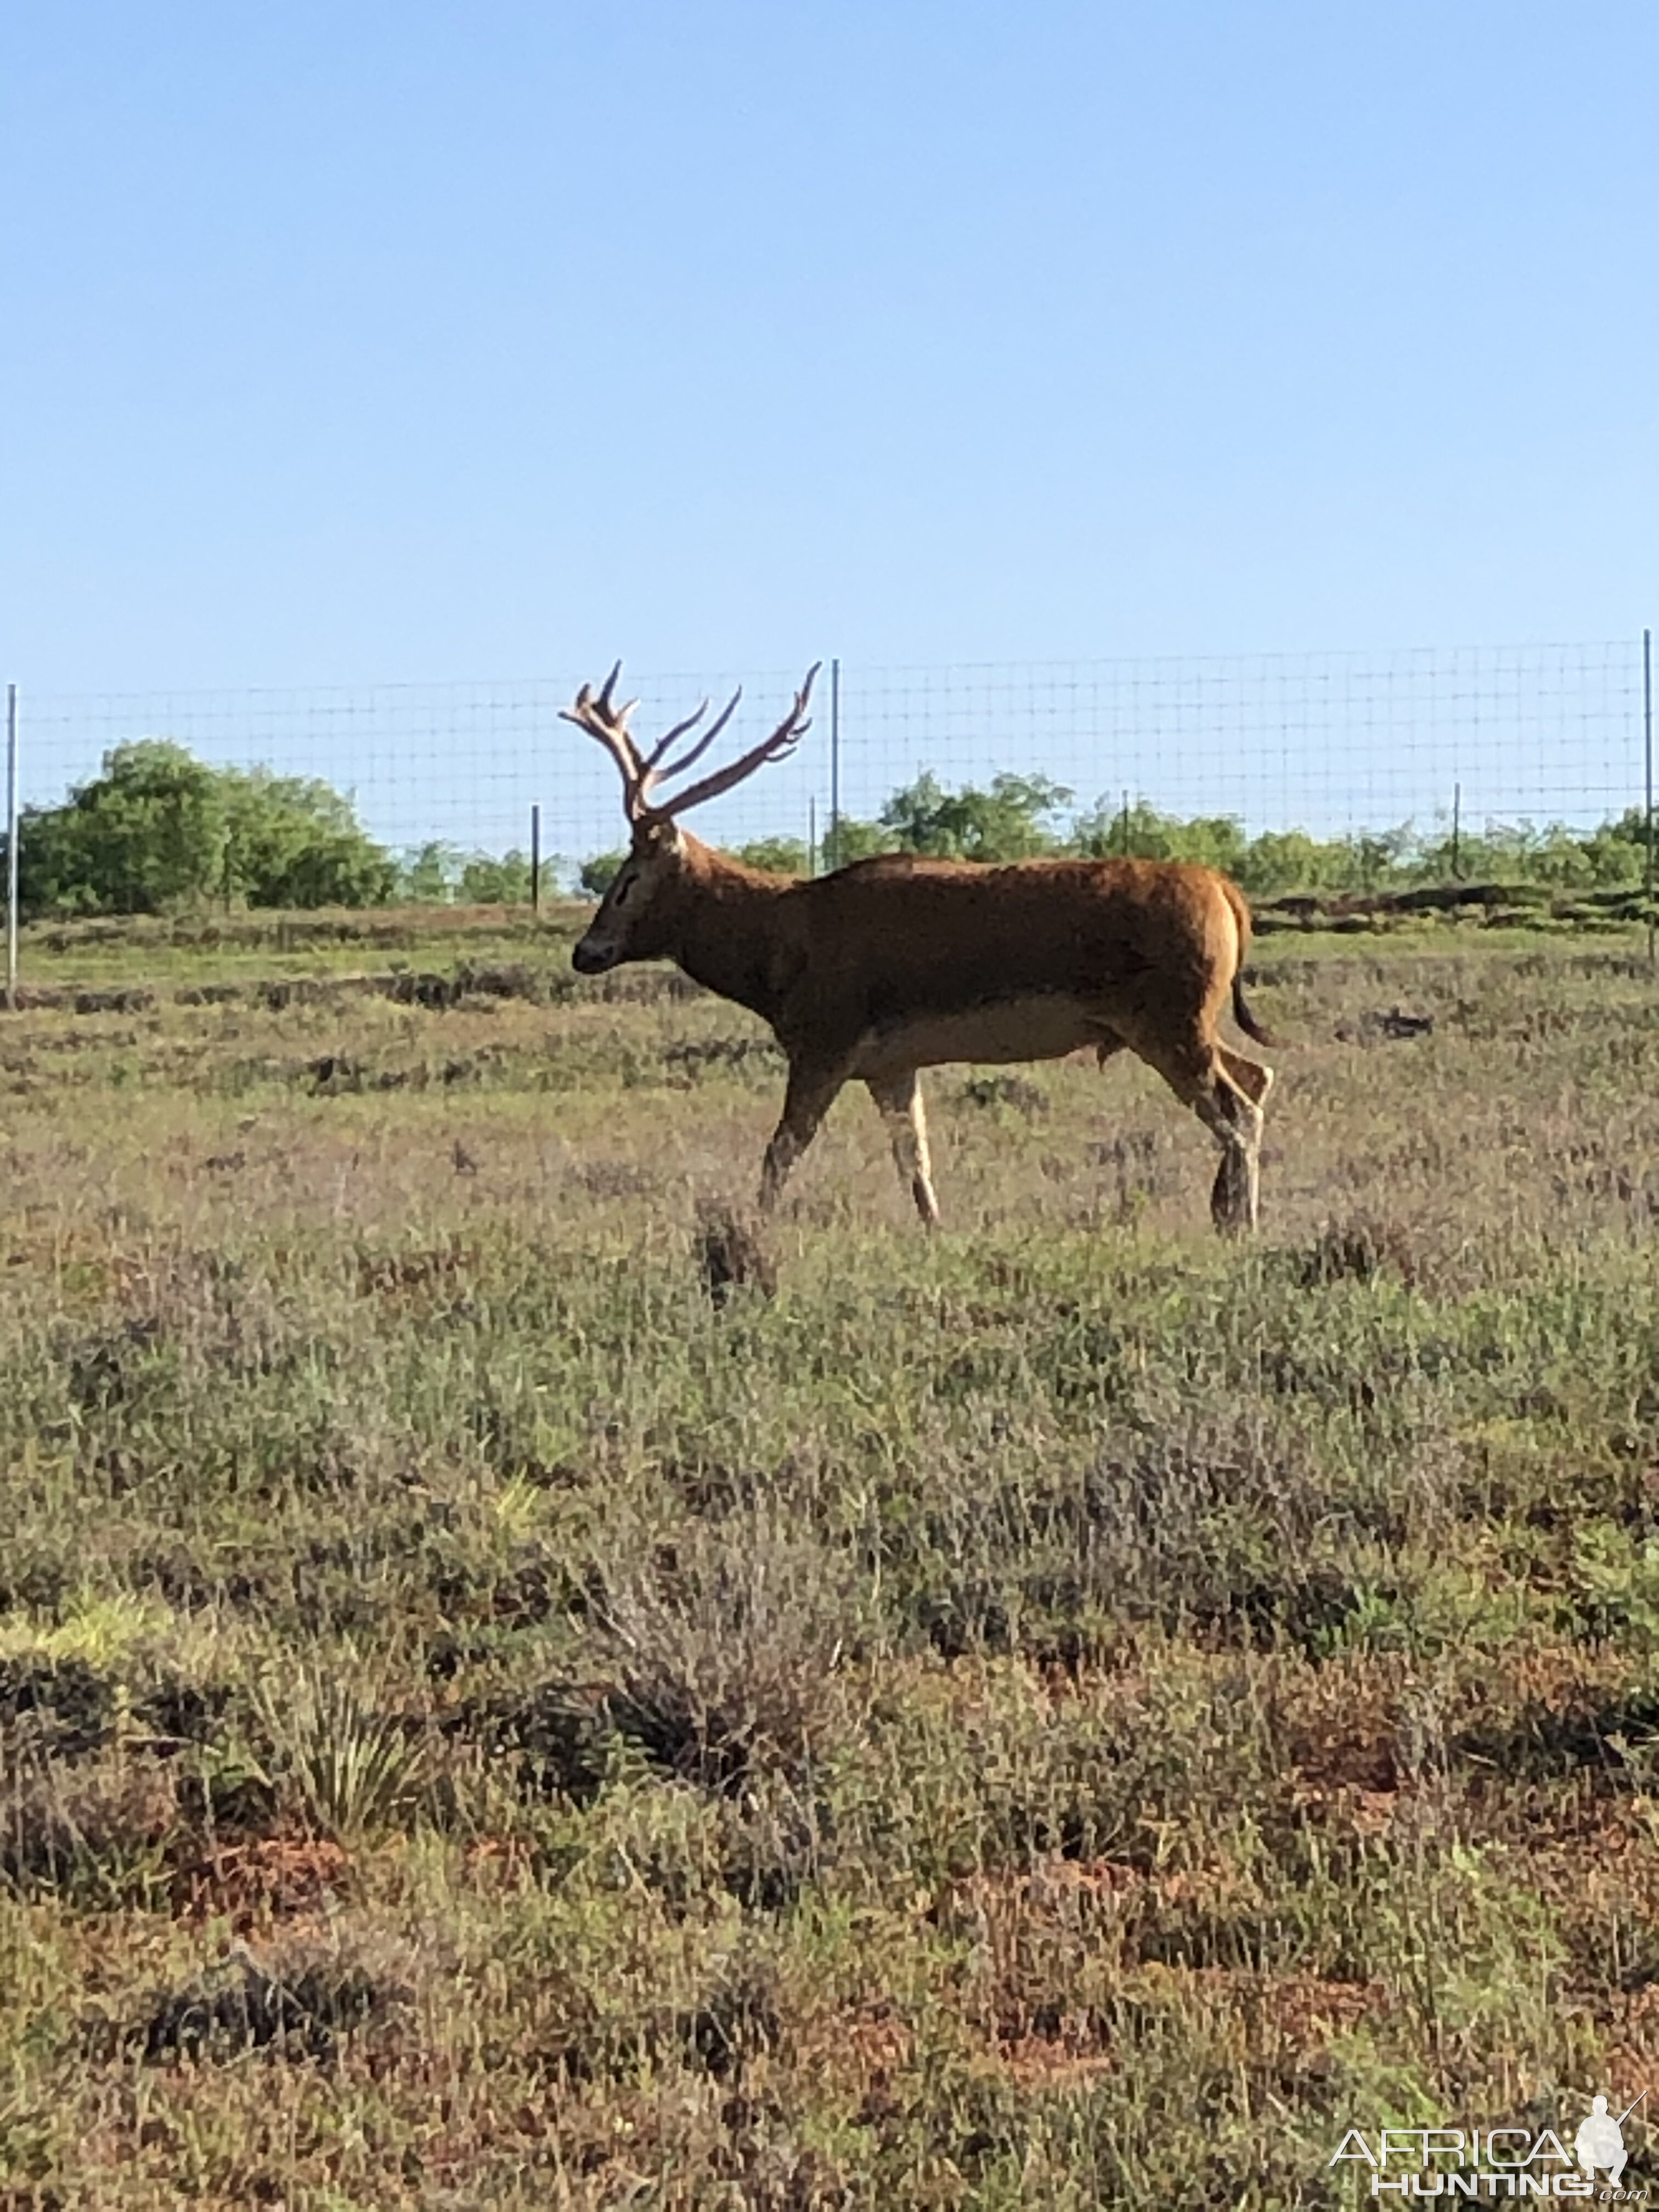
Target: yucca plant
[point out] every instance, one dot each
(348, 1765)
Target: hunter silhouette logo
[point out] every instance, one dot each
(1483, 2164)
(1601, 2140)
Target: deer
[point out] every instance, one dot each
(880, 969)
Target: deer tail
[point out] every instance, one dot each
(1242, 1014)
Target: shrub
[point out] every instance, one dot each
(158, 829)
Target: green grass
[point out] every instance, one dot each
(1067, 1713)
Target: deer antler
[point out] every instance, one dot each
(783, 741)
(642, 773)
(609, 725)
(657, 768)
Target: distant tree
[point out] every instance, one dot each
(1289, 861)
(779, 856)
(1528, 853)
(1283, 860)
(145, 834)
(1139, 832)
(158, 829)
(1379, 855)
(425, 875)
(848, 839)
(488, 880)
(1017, 818)
(294, 841)
(597, 875)
(1006, 823)
(1617, 851)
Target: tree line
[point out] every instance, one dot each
(1021, 817)
(158, 831)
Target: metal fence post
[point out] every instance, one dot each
(1647, 746)
(11, 847)
(832, 839)
(536, 860)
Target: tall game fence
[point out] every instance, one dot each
(1449, 741)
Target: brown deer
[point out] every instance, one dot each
(897, 963)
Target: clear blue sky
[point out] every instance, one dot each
(357, 340)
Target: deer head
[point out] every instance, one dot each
(635, 917)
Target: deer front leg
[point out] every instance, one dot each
(808, 1096)
(899, 1097)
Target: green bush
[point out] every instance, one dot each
(1010, 822)
(1021, 817)
(486, 880)
(778, 856)
(158, 829)
(294, 841)
(597, 875)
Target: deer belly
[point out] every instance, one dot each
(1039, 1028)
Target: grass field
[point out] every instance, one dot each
(510, 1696)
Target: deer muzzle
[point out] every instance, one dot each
(590, 959)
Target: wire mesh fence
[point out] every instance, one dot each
(1331, 743)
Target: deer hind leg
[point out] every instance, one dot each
(1202, 1076)
(1232, 1196)
(1255, 1080)
(1234, 1118)
(807, 1097)
(899, 1097)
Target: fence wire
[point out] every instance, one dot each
(1330, 743)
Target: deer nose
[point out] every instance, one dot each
(587, 960)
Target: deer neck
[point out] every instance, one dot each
(728, 932)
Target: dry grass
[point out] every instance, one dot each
(515, 1689)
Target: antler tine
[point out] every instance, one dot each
(783, 741)
(596, 713)
(609, 724)
(678, 768)
(653, 758)
(589, 709)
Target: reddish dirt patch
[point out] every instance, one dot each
(266, 1879)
